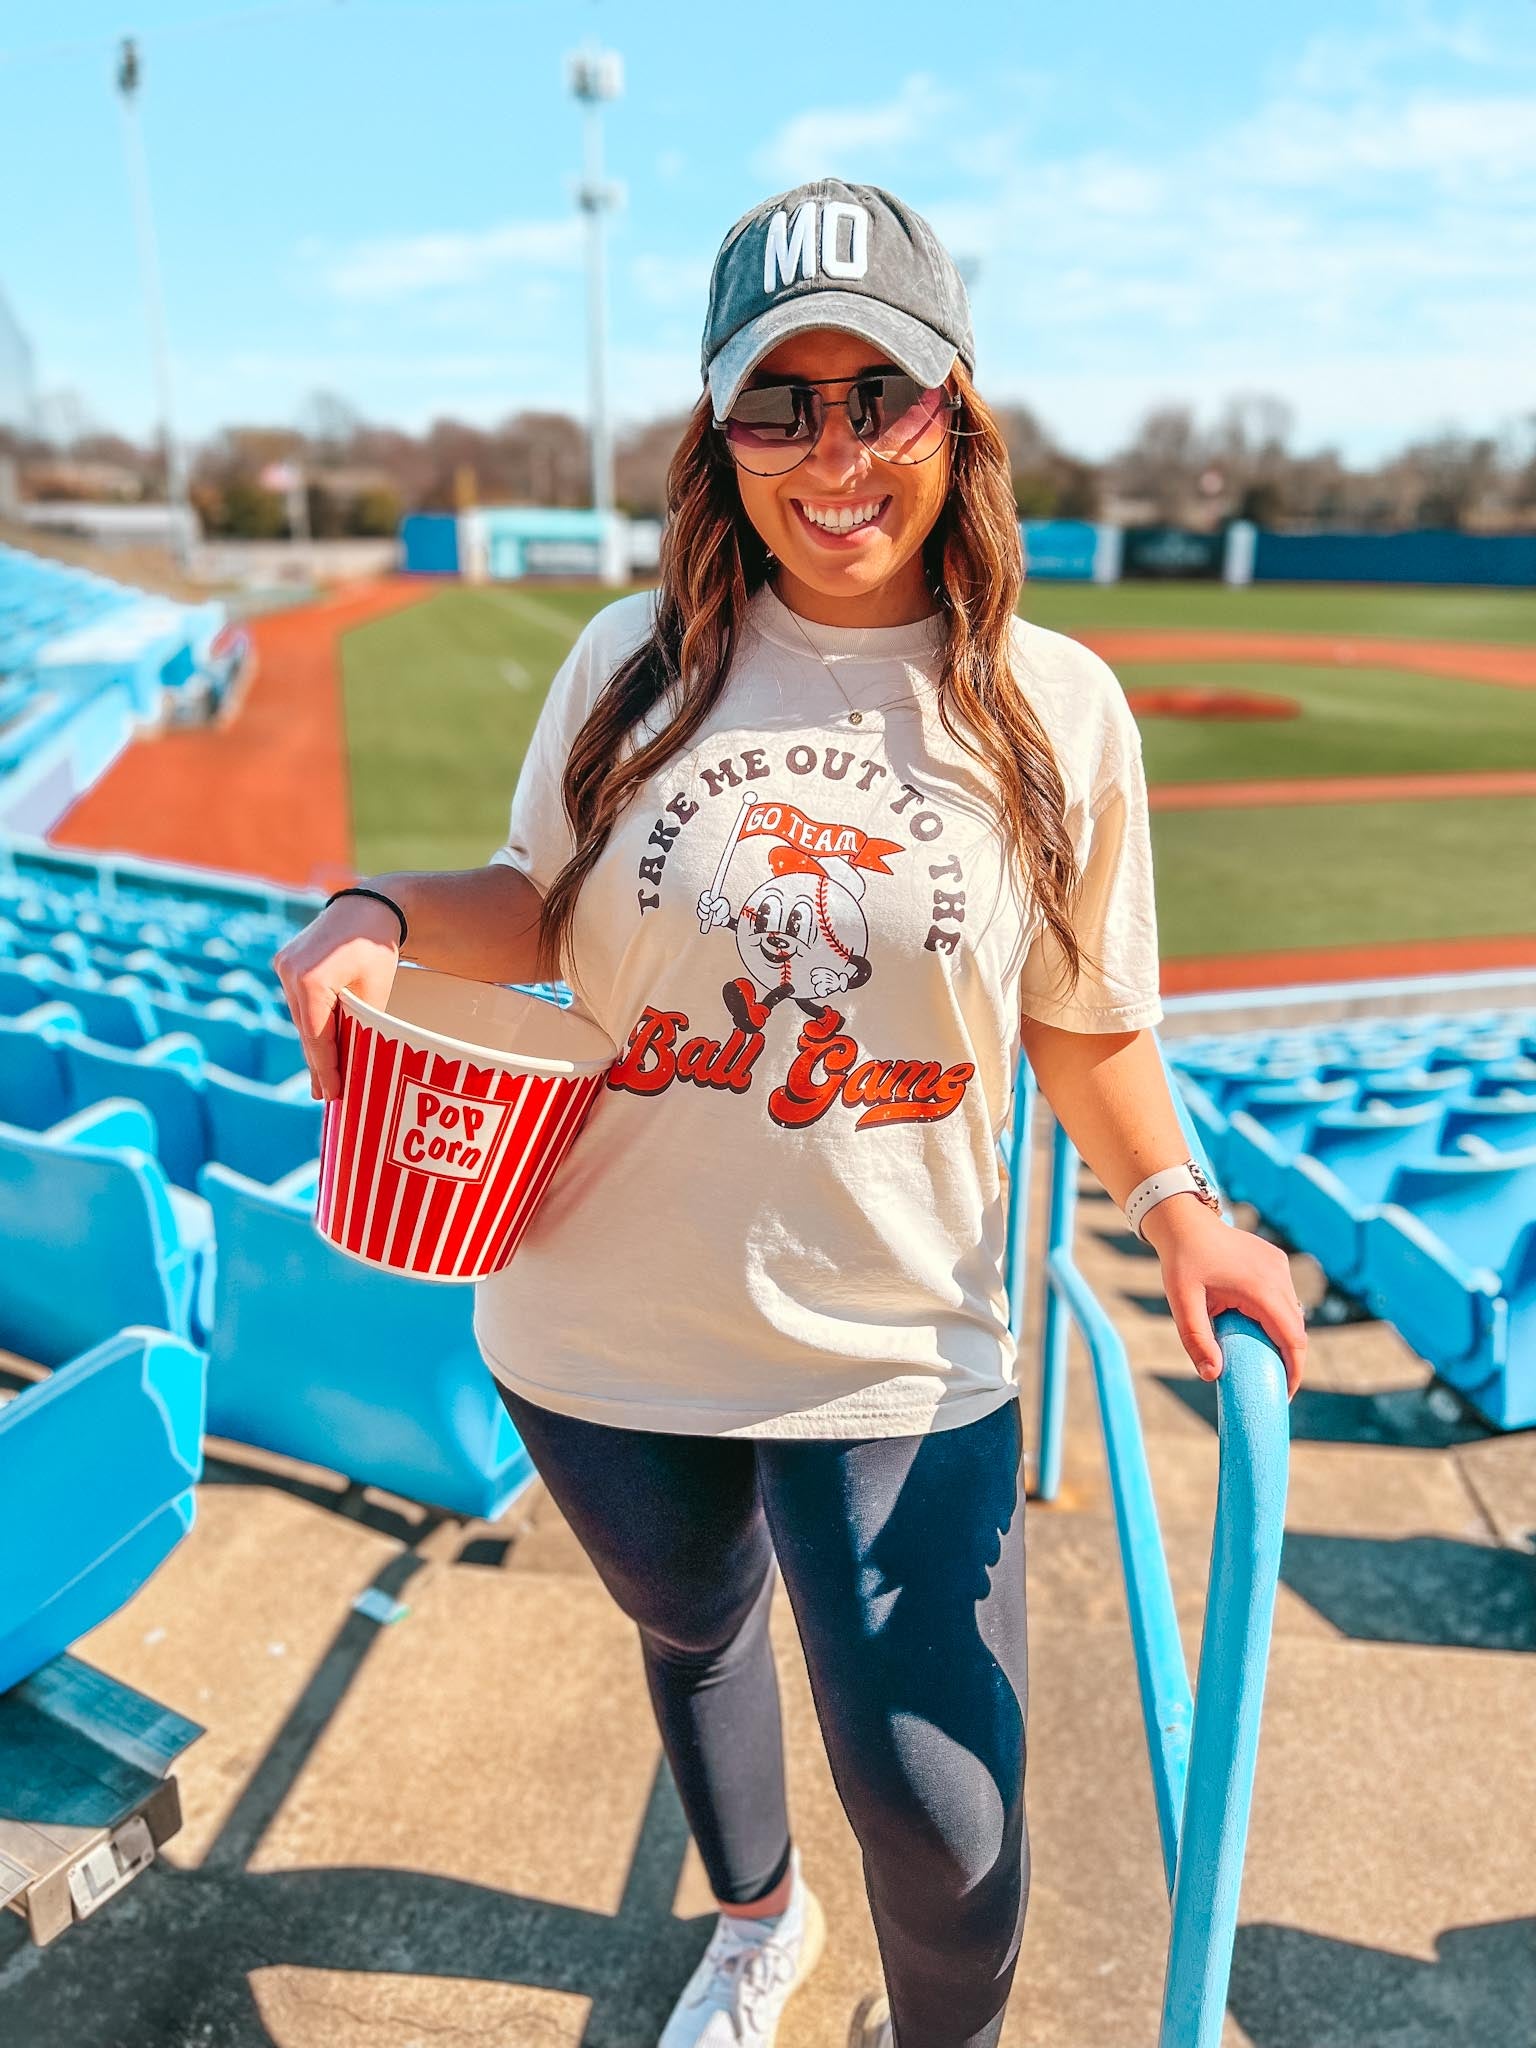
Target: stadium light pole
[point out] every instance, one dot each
(128, 78)
(596, 75)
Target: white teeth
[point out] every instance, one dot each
(842, 518)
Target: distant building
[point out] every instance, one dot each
(18, 382)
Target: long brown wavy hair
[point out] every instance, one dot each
(712, 561)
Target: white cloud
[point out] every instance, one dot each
(1446, 141)
(1362, 243)
(399, 266)
(1354, 62)
(838, 141)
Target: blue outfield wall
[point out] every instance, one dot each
(1068, 551)
(1430, 556)
(429, 543)
(1059, 550)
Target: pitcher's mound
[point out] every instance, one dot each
(1211, 704)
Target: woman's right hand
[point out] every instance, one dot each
(354, 943)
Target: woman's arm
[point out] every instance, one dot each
(480, 923)
(1109, 1092)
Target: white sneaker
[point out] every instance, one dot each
(870, 2026)
(737, 1992)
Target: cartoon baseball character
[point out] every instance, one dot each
(802, 935)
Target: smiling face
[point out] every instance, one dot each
(846, 527)
(797, 922)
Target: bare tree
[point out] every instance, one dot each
(1163, 460)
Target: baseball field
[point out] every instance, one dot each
(1391, 813)
(1383, 822)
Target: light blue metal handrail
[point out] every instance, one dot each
(1202, 1746)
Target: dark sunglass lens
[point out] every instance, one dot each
(770, 429)
(879, 400)
(913, 420)
(772, 415)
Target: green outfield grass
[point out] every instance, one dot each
(441, 698)
(1353, 721)
(1343, 874)
(1410, 614)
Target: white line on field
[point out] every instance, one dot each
(537, 613)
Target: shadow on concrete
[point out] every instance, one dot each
(1296, 1990)
(1429, 1590)
(1422, 1415)
(168, 1965)
(402, 1521)
(1434, 1591)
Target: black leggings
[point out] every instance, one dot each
(903, 1559)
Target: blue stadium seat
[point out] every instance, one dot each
(1268, 1126)
(321, 1357)
(263, 1130)
(33, 1089)
(115, 1016)
(1442, 1253)
(1506, 1121)
(1415, 1084)
(166, 1077)
(98, 1465)
(96, 1237)
(233, 1039)
(1500, 1076)
(1328, 1190)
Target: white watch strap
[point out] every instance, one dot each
(1185, 1178)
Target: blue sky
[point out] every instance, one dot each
(1335, 203)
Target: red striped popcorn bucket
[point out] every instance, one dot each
(457, 1106)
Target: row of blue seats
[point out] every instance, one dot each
(50, 1067)
(1477, 1052)
(1424, 1211)
(100, 1459)
(128, 1012)
(1408, 1087)
(311, 1353)
(98, 962)
(248, 941)
(65, 906)
(40, 600)
(78, 883)
(1365, 1047)
(85, 634)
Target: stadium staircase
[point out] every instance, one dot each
(166, 1286)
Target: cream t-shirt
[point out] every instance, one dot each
(785, 1214)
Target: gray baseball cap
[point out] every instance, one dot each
(834, 255)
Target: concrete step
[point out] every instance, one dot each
(458, 1826)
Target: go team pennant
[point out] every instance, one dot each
(842, 842)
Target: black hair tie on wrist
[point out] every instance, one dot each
(379, 897)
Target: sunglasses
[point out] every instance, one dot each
(772, 428)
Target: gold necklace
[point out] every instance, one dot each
(854, 717)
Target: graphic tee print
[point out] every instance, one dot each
(785, 1215)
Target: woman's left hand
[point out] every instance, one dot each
(1207, 1266)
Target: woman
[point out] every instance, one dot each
(821, 833)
